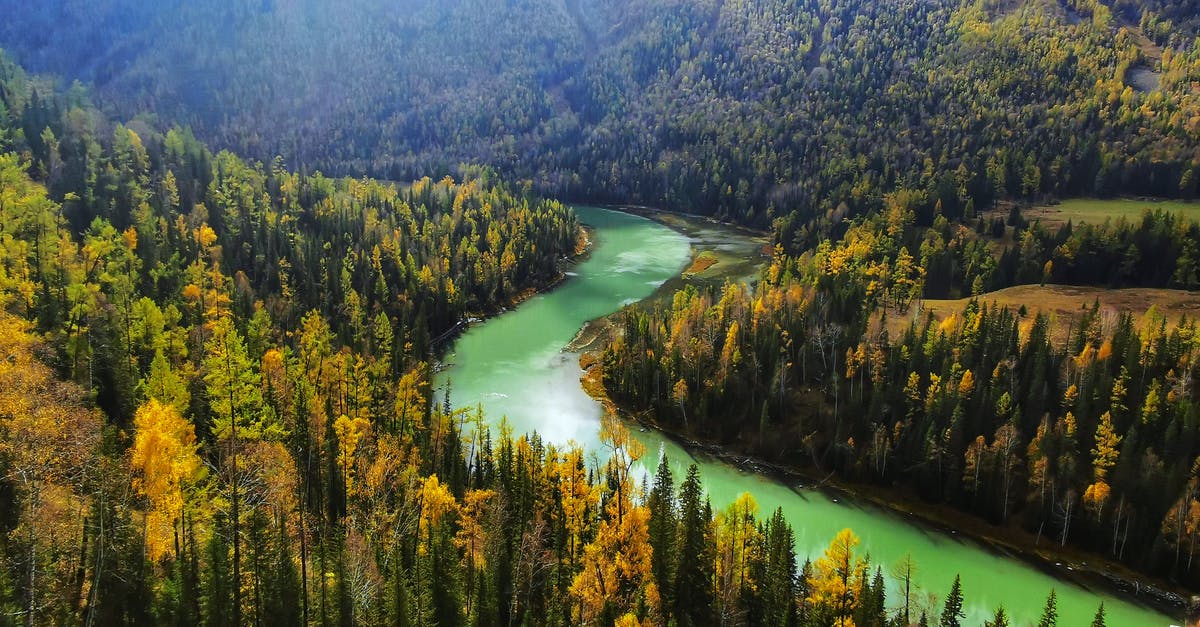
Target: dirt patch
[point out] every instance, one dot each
(1148, 48)
(1143, 79)
(592, 382)
(1064, 304)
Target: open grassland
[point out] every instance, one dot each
(1095, 211)
(1063, 303)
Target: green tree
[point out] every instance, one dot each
(1050, 611)
(952, 609)
(662, 529)
(692, 594)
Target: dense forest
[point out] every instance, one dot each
(1088, 434)
(215, 396)
(215, 409)
(777, 113)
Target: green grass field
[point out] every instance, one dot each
(1094, 210)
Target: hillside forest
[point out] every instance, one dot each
(218, 333)
(208, 417)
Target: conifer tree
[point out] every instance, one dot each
(662, 526)
(1050, 611)
(952, 609)
(693, 595)
(999, 619)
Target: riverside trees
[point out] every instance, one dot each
(1085, 433)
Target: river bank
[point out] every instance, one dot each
(1090, 571)
(513, 366)
(1064, 563)
(583, 248)
(720, 252)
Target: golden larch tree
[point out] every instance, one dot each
(165, 465)
(833, 589)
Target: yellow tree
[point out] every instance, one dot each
(731, 353)
(411, 393)
(973, 462)
(1182, 522)
(30, 235)
(165, 464)
(434, 568)
(832, 589)
(578, 498)
(1004, 457)
(1104, 457)
(907, 280)
(349, 431)
(966, 384)
(739, 547)
(472, 538)
(49, 440)
(438, 505)
(625, 451)
(207, 289)
(679, 394)
(1038, 462)
(617, 575)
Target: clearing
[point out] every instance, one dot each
(1095, 210)
(1064, 304)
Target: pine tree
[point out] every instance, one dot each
(1000, 619)
(952, 610)
(1098, 620)
(218, 589)
(693, 594)
(662, 526)
(780, 588)
(1050, 612)
(281, 583)
(871, 610)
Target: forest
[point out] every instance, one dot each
(219, 332)
(783, 114)
(207, 416)
(1087, 435)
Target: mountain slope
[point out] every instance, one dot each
(747, 109)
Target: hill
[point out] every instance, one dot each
(768, 112)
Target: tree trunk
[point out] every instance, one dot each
(1066, 520)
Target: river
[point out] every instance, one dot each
(514, 365)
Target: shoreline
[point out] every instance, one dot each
(709, 238)
(1090, 571)
(583, 249)
(1072, 565)
(656, 214)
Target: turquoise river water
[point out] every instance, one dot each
(515, 365)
